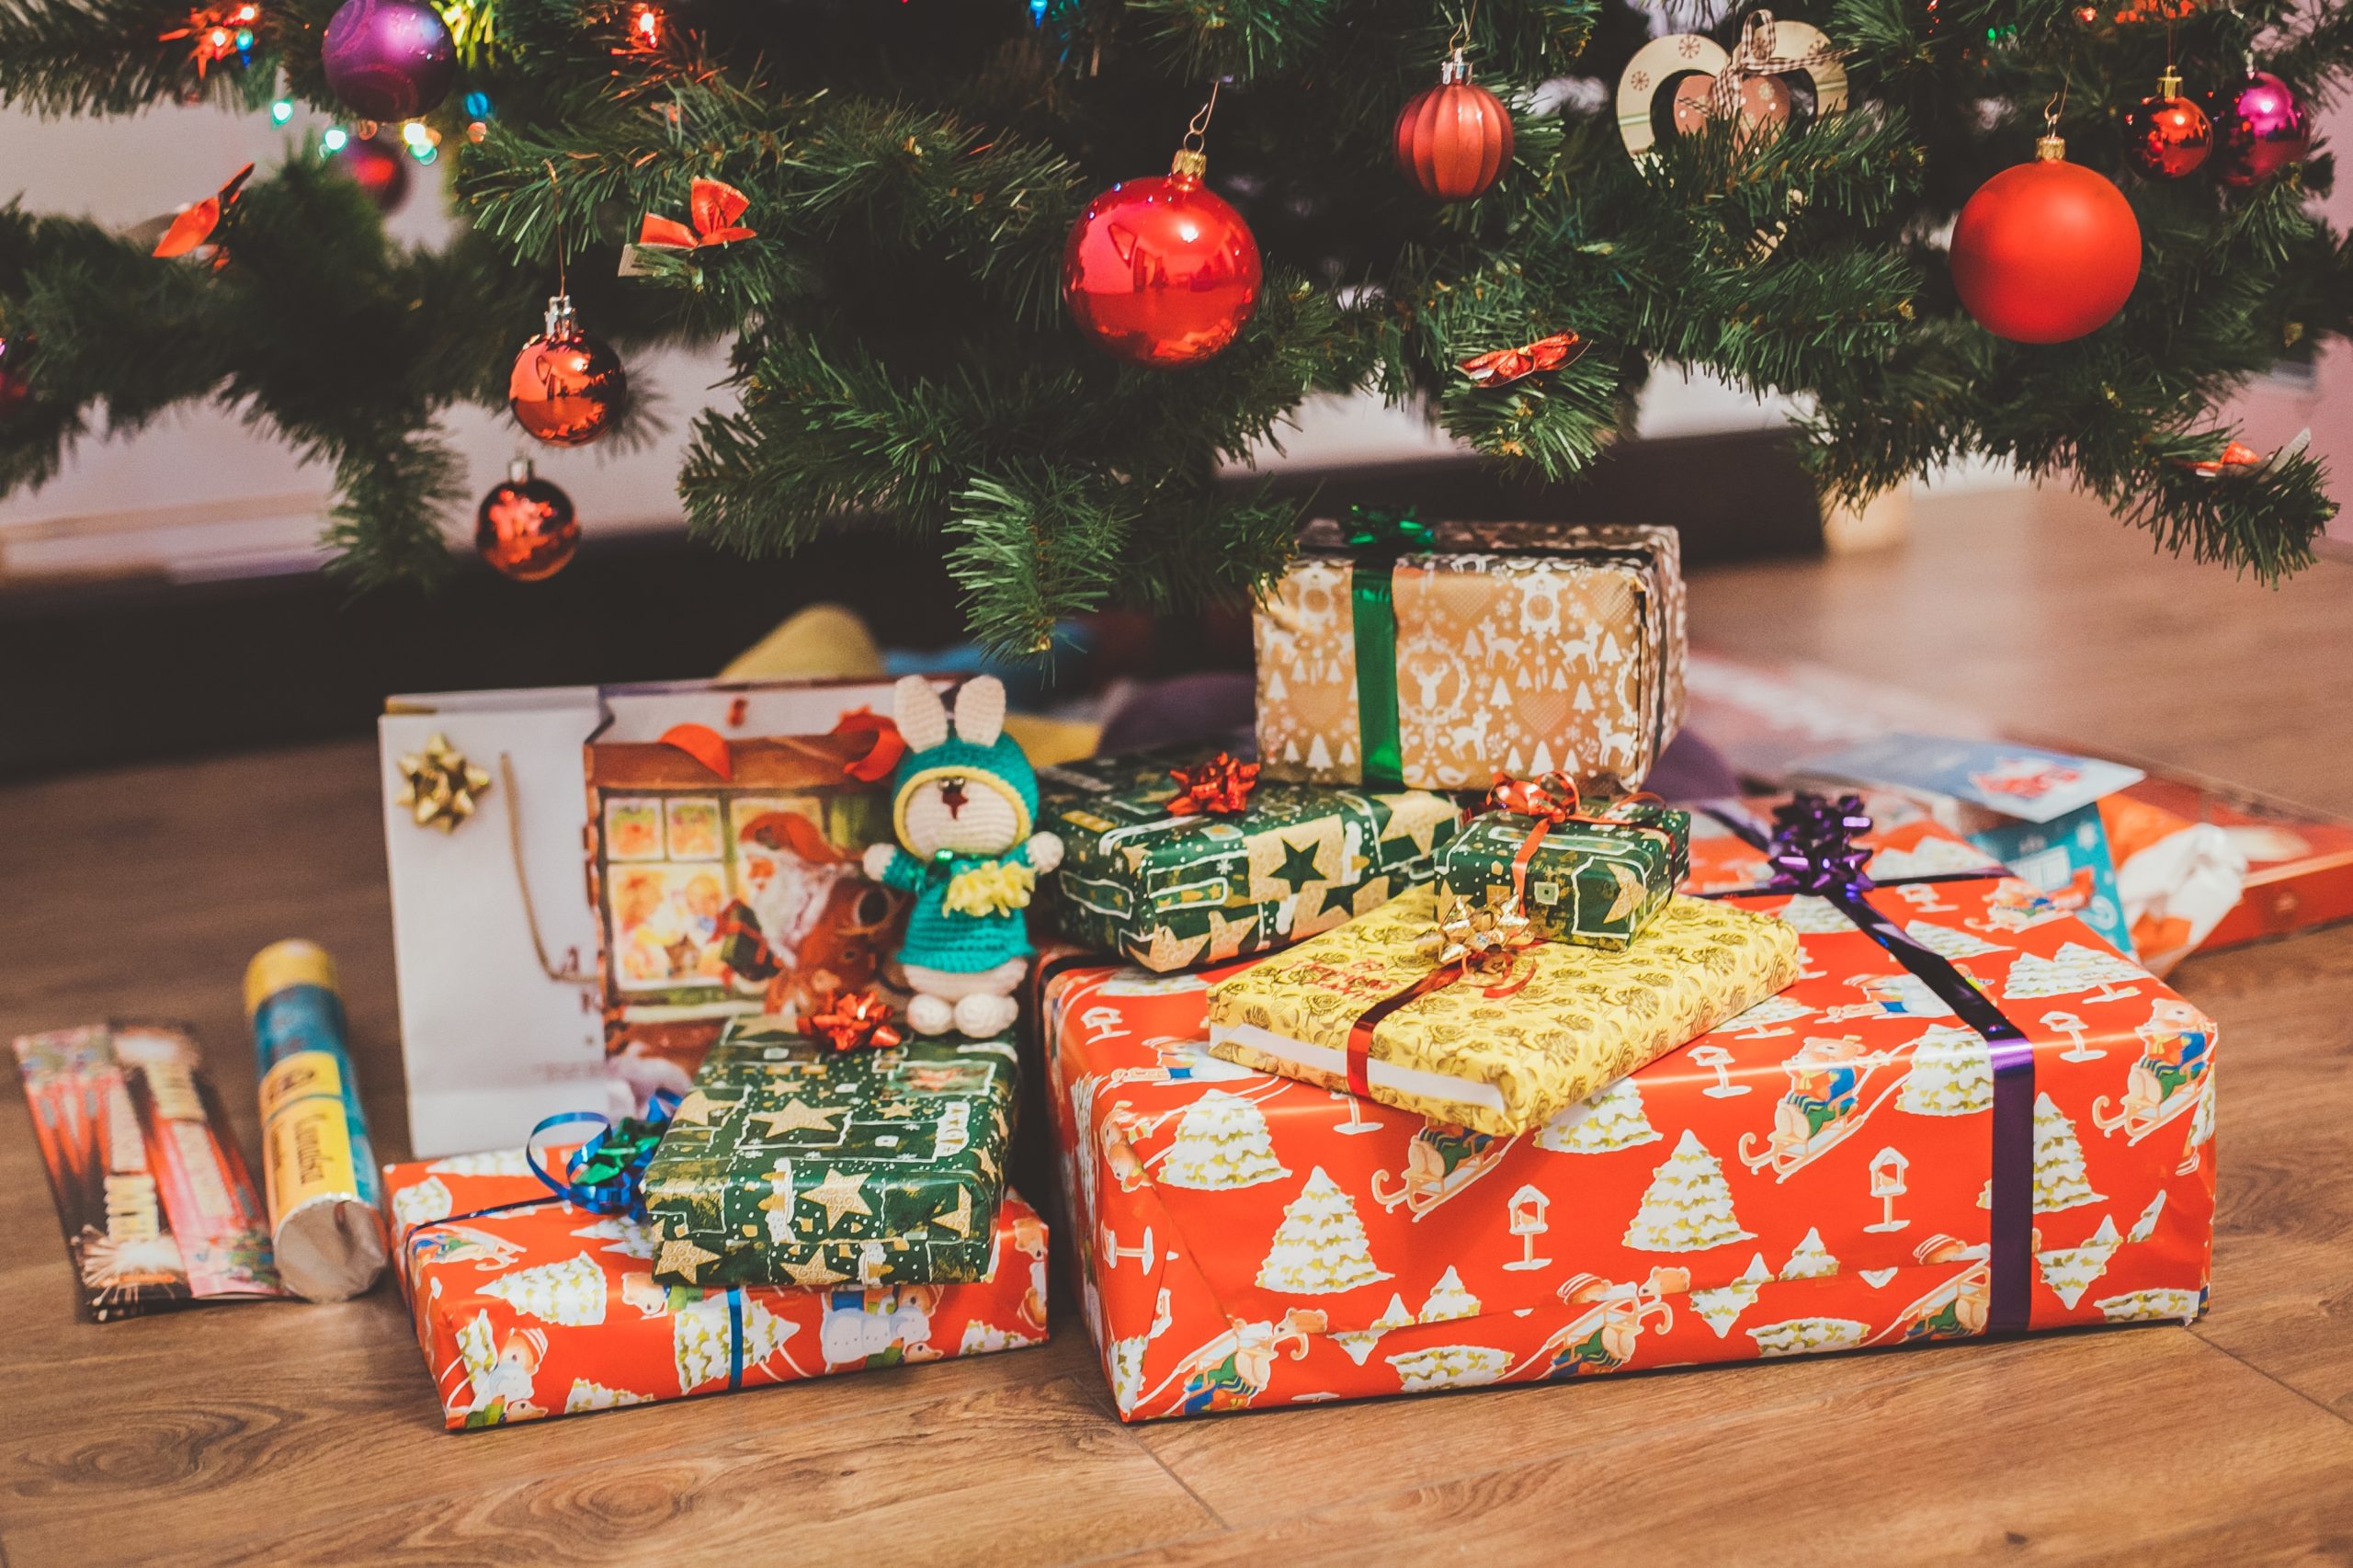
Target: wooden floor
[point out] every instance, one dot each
(310, 1434)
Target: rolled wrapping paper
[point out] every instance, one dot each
(324, 1224)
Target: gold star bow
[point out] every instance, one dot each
(439, 785)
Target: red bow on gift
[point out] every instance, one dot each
(855, 1019)
(194, 224)
(1220, 787)
(714, 206)
(1550, 795)
(1502, 365)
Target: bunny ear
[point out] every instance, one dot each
(916, 707)
(979, 711)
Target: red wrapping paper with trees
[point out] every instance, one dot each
(1812, 1177)
(548, 1309)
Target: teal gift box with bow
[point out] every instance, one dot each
(1595, 873)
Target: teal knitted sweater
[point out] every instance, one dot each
(955, 943)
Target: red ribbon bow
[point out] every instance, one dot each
(888, 747)
(1504, 365)
(1220, 787)
(714, 206)
(1550, 795)
(194, 224)
(855, 1020)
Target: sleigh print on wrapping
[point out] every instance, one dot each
(1810, 1176)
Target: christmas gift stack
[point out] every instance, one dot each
(1966, 1116)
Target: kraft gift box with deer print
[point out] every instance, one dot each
(1509, 647)
(527, 1306)
(793, 1163)
(729, 894)
(1813, 1175)
(1171, 891)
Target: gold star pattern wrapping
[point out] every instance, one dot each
(439, 785)
(809, 1166)
(1169, 890)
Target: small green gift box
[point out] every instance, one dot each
(1242, 866)
(1594, 875)
(794, 1164)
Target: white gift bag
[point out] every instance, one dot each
(493, 934)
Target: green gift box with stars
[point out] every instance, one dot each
(1596, 883)
(1171, 889)
(791, 1162)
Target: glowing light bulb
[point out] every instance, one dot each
(415, 135)
(281, 111)
(333, 137)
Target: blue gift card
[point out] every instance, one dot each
(2070, 860)
(2021, 781)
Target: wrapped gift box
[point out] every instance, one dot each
(1814, 1175)
(1521, 647)
(1596, 882)
(794, 1163)
(527, 1306)
(1502, 1052)
(1174, 890)
(2294, 864)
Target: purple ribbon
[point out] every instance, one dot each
(1813, 851)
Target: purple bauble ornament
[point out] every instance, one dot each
(2259, 128)
(388, 59)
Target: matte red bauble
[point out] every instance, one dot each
(2047, 251)
(567, 387)
(2259, 128)
(375, 165)
(1453, 140)
(1160, 271)
(2165, 135)
(526, 527)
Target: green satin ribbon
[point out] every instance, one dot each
(1377, 538)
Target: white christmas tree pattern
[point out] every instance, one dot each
(2077, 968)
(1802, 1336)
(1127, 1372)
(1952, 1074)
(1722, 1305)
(1359, 1342)
(699, 1339)
(2147, 1225)
(1929, 858)
(1613, 1119)
(1812, 1260)
(571, 1293)
(2071, 1271)
(2059, 1181)
(1222, 1141)
(631, 1238)
(1814, 916)
(587, 1394)
(1947, 941)
(1758, 1019)
(477, 1347)
(1449, 1366)
(1689, 1205)
(1320, 1247)
(2150, 1306)
(426, 1202)
(1448, 1299)
(497, 1163)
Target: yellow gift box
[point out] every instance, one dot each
(1501, 1049)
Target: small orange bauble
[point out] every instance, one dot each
(1453, 140)
(567, 387)
(526, 527)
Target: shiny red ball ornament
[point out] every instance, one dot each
(526, 527)
(1160, 271)
(2259, 129)
(567, 387)
(1453, 140)
(2165, 135)
(2046, 252)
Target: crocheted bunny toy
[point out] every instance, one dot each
(962, 803)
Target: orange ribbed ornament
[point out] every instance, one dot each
(1453, 140)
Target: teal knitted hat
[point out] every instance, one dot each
(1002, 758)
(997, 762)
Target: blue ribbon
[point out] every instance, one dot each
(607, 1174)
(1813, 851)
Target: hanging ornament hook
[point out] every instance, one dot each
(555, 201)
(1190, 161)
(2051, 146)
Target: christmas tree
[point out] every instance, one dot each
(1812, 1260)
(1687, 1207)
(1449, 1299)
(588, 1394)
(2059, 1178)
(1722, 1305)
(1947, 941)
(1612, 1119)
(1222, 1141)
(1359, 1342)
(2071, 1271)
(1449, 1366)
(886, 257)
(428, 1199)
(1952, 1074)
(1320, 1247)
(571, 1292)
(2076, 969)
(699, 1334)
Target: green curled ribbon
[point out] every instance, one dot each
(1376, 538)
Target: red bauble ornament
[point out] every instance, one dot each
(567, 387)
(2165, 135)
(526, 527)
(1160, 271)
(2046, 251)
(375, 165)
(1453, 140)
(15, 391)
(2259, 128)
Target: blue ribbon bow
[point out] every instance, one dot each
(607, 1174)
